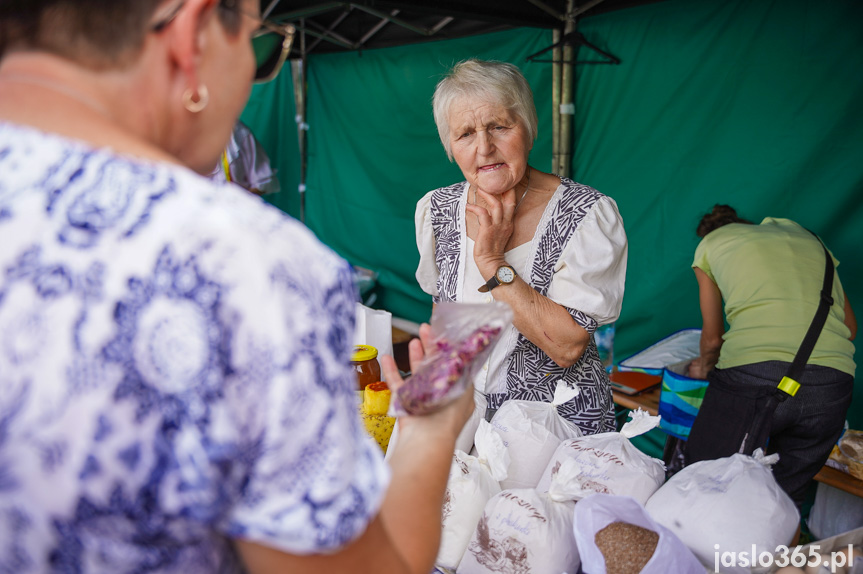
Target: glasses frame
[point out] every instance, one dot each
(165, 21)
(286, 31)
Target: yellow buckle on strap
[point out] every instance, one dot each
(789, 385)
(226, 166)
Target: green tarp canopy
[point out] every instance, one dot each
(754, 103)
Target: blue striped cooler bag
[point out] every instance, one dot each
(680, 396)
(679, 400)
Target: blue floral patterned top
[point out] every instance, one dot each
(174, 371)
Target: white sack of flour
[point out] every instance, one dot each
(734, 502)
(523, 531)
(473, 480)
(531, 431)
(610, 463)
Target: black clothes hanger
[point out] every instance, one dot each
(576, 38)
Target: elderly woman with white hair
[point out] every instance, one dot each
(553, 249)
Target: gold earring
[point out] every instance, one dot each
(203, 99)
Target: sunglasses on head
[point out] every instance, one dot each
(271, 42)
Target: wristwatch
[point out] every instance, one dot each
(504, 275)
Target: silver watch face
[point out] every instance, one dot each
(505, 275)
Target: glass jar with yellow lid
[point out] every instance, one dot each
(365, 362)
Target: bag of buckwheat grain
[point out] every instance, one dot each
(615, 535)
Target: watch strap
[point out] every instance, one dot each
(490, 284)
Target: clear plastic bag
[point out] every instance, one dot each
(462, 337)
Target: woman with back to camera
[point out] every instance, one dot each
(766, 280)
(553, 249)
(176, 393)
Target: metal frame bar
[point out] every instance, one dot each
(332, 35)
(579, 11)
(333, 26)
(377, 27)
(439, 26)
(548, 9)
(312, 11)
(394, 20)
(329, 37)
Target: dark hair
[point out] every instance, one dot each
(721, 215)
(100, 34)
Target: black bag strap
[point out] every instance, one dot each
(789, 384)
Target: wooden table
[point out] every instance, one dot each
(649, 401)
(841, 480)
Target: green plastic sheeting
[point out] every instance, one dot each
(754, 103)
(751, 103)
(270, 114)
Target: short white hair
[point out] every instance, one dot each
(488, 80)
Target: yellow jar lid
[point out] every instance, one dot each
(363, 353)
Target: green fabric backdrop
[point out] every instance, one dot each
(754, 103)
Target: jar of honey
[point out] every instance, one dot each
(365, 362)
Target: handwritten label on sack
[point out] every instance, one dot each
(596, 453)
(513, 523)
(534, 511)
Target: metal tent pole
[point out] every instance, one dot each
(298, 69)
(567, 107)
(555, 104)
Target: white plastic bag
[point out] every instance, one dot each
(523, 531)
(472, 482)
(609, 463)
(531, 431)
(597, 511)
(732, 502)
(462, 337)
(834, 512)
(374, 327)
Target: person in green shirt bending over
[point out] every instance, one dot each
(769, 277)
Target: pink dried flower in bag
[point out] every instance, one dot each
(430, 386)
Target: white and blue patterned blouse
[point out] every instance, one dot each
(174, 371)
